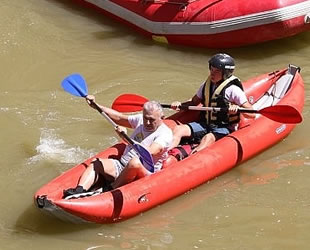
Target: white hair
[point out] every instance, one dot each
(153, 106)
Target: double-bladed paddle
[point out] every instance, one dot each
(279, 113)
(76, 85)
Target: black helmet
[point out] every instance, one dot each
(224, 62)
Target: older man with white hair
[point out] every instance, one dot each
(149, 130)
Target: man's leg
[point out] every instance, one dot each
(206, 141)
(91, 173)
(180, 131)
(133, 170)
(105, 167)
(210, 138)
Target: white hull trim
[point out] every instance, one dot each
(206, 28)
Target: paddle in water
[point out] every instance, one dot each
(279, 113)
(76, 85)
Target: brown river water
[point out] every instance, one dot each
(262, 204)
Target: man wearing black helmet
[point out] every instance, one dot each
(221, 89)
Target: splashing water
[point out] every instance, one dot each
(53, 148)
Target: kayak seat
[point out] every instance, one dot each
(281, 86)
(265, 101)
(275, 92)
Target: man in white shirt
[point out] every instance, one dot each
(149, 130)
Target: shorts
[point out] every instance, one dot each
(199, 130)
(119, 167)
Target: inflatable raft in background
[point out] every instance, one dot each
(209, 23)
(283, 87)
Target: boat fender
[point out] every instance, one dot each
(181, 152)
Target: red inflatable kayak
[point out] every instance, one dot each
(209, 23)
(270, 95)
